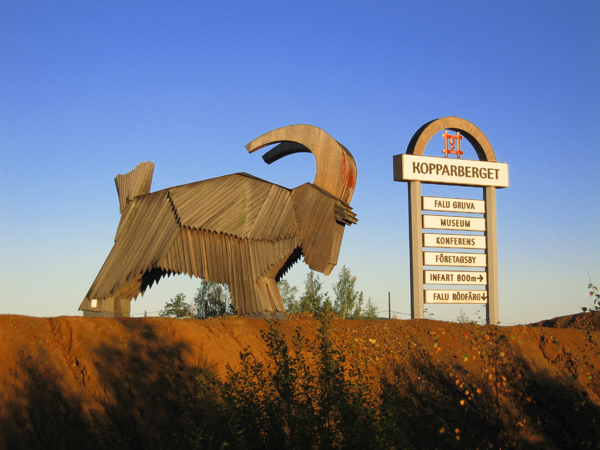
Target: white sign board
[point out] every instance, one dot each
(454, 259)
(432, 169)
(454, 223)
(454, 241)
(454, 277)
(462, 205)
(447, 296)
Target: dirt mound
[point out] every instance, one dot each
(583, 321)
(74, 382)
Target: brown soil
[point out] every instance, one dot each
(74, 382)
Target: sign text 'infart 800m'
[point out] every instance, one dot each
(236, 229)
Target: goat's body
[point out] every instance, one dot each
(235, 229)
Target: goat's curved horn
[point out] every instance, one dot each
(336, 169)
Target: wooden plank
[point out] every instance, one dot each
(454, 277)
(432, 169)
(460, 205)
(454, 259)
(454, 223)
(450, 296)
(454, 241)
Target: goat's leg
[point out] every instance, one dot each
(270, 298)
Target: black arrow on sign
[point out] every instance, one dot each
(480, 278)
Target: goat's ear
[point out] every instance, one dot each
(320, 233)
(134, 183)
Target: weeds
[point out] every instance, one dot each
(464, 318)
(593, 290)
(310, 394)
(287, 403)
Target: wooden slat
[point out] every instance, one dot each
(229, 204)
(133, 251)
(137, 182)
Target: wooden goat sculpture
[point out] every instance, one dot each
(236, 229)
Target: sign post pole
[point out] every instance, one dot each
(417, 304)
(489, 193)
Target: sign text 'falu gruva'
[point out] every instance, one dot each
(470, 239)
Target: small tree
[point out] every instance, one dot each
(288, 295)
(212, 300)
(178, 308)
(313, 300)
(348, 302)
(369, 311)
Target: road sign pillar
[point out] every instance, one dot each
(475, 236)
(489, 193)
(417, 305)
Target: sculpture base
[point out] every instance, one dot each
(274, 315)
(104, 314)
(110, 308)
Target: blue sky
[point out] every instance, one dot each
(90, 89)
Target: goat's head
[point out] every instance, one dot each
(323, 208)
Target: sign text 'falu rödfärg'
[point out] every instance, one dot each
(451, 296)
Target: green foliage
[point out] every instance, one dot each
(313, 300)
(178, 308)
(369, 312)
(213, 299)
(348, 302)
(288, 295)
(287, 403)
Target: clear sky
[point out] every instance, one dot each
(90, 89)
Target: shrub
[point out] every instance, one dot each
(289, 402)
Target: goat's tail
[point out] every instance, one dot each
(134, 183)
